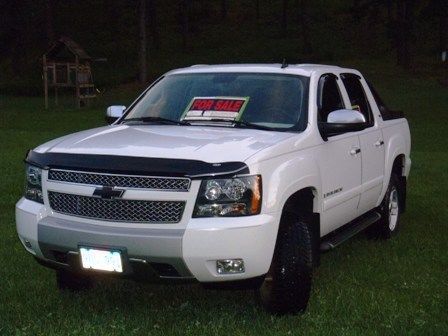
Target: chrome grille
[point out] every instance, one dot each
(121, 210)
(126, 181)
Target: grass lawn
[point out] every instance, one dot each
(363, 287)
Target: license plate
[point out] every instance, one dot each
(101, 260)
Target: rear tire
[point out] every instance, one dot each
(287, 286)
(75, 282)
(389, 209)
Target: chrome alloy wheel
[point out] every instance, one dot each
(393, 209)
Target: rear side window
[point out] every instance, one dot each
(357, 95)
(329, 97)
(379, 102)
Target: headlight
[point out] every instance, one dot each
(33, 184)
(238, 196)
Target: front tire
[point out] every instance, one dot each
(287, 286)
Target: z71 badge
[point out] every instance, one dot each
(333, 192)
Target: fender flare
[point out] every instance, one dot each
(395, 147)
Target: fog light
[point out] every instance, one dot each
(230, 266)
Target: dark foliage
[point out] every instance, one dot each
(182, 32)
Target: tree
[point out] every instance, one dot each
(400, 24)
(143, 42)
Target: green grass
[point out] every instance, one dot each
(364, 287)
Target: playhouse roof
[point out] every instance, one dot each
(65, 48)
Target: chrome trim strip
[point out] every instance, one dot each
(122, 175)
(143, 261)
(115, 220)
(232, 172)
(121, 221)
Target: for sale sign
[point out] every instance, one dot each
(209, 108)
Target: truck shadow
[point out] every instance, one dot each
(178, 301)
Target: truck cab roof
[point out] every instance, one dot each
(295, 69)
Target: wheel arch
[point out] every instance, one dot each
(302, 204)
(395, 162)
(301, 201)
(399, 169)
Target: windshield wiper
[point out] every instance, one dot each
(251, 125)
(239, 123)
(157, 119)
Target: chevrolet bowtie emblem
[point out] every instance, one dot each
(108, 192)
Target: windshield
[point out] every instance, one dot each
(271, 101)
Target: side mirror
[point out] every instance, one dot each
(114, 112)
(342, 121)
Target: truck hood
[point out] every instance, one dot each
(204, 143)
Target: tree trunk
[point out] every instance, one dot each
(304, 23)
(284, 21)
(223, 9)
(405, 22)
(443, 27)
(257, 9)
(16, 29)
(184, 11)
(153, 23)
(113, 14)
(143, 43)
(389, 10)
(49, 20)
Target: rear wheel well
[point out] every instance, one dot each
(301, 205)
(398, 169)
(398, 165)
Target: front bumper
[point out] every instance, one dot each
(189, 252)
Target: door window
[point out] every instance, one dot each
(330, 98)
(357, 95)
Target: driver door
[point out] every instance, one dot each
(372, 144)
(339, 161)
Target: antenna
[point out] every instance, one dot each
(284, 64)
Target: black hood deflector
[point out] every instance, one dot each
(135, 165)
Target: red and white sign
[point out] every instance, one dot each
(207, 108)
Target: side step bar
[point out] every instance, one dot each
(350, 231)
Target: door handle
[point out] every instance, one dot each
(379, 143)
(355, 151)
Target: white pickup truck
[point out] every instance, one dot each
(229, 174)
